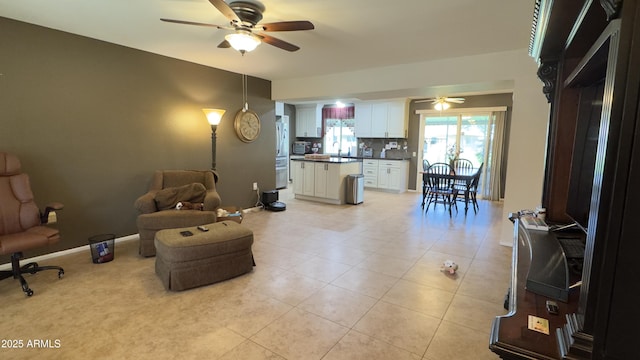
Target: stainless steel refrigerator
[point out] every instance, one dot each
(282, 151)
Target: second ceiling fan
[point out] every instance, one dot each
(244, 16)
(442, 103)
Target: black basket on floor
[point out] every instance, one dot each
(103, 248)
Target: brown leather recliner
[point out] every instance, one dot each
(21, 222)
(158, 206)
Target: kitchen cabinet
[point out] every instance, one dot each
(397, 119)
(279, 108)
(309, 121)
(392, 175)
(370, 172)
(303, 178)
(379, 120)
(387, 175)
(327, 181)
(362, 119)
(323, 181)
(386, 119)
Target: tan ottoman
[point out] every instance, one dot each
(184, 262)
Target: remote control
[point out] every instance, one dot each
(203, 228)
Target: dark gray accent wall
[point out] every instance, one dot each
(91, 121)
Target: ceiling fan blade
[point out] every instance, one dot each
(287, 26)
(224, 44)
(455, 100)
(226, 10)
(278, 43)
(192, 23)
(425, 100)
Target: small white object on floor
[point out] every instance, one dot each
(449, 266)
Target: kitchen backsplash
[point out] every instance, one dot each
(393, 148)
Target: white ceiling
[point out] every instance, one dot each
(349, 34)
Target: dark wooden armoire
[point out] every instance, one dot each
(589, 62)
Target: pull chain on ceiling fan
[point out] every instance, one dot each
(245, 101)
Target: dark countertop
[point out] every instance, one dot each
(375, 158)
(333, 160)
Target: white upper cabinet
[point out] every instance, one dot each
(309, 121)
(397, 119)
(362, 117)
(279, 108)
(386, 119)
(379, 120)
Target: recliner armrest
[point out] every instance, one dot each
(211, 200)
(146, 203)
(44, 216)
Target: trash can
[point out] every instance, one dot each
(355, 189)
(102, 248)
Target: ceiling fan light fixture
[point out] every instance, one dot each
(243, 41)
(441, 105)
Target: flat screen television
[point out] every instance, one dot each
(584, 153)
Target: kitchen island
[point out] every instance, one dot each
(323, 179)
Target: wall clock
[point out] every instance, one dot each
(247, 125)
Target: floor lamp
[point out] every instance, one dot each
(213, 117)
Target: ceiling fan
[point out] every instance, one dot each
(442, 102)
(244, 16)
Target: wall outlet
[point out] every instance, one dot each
(255, 186)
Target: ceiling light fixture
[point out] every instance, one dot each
(243, 41)
(441, 105)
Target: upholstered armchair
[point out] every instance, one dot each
(196, 189)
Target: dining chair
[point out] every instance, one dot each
(439, 186)
(473, 190)
(425, 166)
(462, 166)
(466, 193)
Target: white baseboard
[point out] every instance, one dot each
(252, 209)
(56, 254)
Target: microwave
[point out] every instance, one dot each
(301, 147)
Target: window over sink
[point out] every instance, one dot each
(339, 130)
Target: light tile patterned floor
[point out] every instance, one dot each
(331, 282)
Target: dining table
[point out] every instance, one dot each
(461, 175)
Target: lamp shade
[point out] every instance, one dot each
(214, 115)
(243, 41)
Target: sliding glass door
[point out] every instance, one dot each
(440, 135)
(476, 134)
(463, 136)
